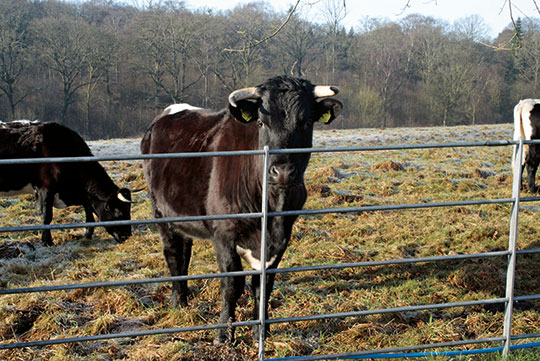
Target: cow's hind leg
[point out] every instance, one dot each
(532, 160)
(177, 252)
(46, 201)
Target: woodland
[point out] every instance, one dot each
(107, 68)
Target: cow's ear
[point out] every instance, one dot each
(245, 111)
(327, 110)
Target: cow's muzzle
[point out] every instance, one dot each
(283, 175)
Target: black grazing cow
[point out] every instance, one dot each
(60, 184)
(527, 126)
(279, 113)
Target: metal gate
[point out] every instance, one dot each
(504, 341)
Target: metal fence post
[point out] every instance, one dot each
(512, 247)
(264, 223)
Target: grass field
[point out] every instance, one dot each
(333, 180)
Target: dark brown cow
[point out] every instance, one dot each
(279, 113)
(60, 184)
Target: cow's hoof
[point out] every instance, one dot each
(222, 339)
(178, 300)
(225, 335)
(218, 342)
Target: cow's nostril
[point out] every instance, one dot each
(274, 171)
(292, 173)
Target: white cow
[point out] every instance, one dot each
(527, 127)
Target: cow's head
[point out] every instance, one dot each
(285, 109)
(116, 207)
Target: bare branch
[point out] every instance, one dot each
(515, 38)
(259, 42)
(407, 5)
(536, 6)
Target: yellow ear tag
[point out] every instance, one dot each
(247, 117)
(325, 117)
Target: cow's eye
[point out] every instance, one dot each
(308, 124)
(260, 123)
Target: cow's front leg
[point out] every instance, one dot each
(46, 200)
(256, 289)
(231, 288)
(89, 219)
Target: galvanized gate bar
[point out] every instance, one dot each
(259, 215)
(130, 157)
(255, 152)
(390, 351)
(526, 298)
(264, 236)
(11, 291)
(381, 311)
(108, 336)
(523, 337)
(512, 246)
(250, 273)
(394, 207)
(528, 251)
(131, 222)
(389, 262)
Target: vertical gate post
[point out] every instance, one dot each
(512, 247)
(264, 223)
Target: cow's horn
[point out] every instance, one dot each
(324, 91)
(245, 93)
(123, 199)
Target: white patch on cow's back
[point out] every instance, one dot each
(24, 122)
(247, 255)
(27, 189)
(177, 108)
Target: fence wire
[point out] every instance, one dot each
(511, 253)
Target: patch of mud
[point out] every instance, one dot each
(21, 321)
(11, 250)
(482, 173)
(319, 190)
(341, 197)
(389, 165)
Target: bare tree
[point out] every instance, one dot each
(163, 42)
(244, 50)
(14, 49)
(298, 44)
(64, 48)
(334, 13)
(472, 28)
(527, 58)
